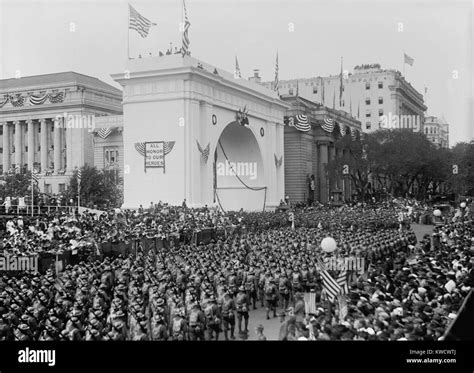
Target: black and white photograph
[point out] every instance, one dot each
(206, 177)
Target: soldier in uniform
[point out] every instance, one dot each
(284, 290)
(242, 304)
(251, 288)
(213, 320)
(196, 323)
(178, 326)
(158, 329)
(228, 316)
(270, 298)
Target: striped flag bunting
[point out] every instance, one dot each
(168, 146)
(38, 100)
(302, 123)
(79, 176)
(139, 23)
(57, 98)
(342, 129)
(185, 39)
(104, 132)
(342, 281)
(310, 303)
(140, 148)
(328, 125)
(330, 285)
(354, 133)
(276, 82)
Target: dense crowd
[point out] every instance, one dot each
(405, 291)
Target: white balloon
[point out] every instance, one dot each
(463, 205)
(328, 244)
(437, 212)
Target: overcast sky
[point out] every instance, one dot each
(36, 38)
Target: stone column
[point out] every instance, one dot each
(323, 161)
(6, 147)
(31, 144)
(57, 144)
(18, 144)
(44, 145)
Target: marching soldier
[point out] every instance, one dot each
(158, 329)
(196, 323)
(213, 320)
(270, 298)
(251, 288)
(228, 316)
(241, 303)
(284, 290)
(179, 327)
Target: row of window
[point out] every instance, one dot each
(26, 129)
(315, 87)
(367, 101)
(432, 130)
(368, 113)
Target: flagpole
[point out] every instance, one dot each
(128, 34)
(32, 196)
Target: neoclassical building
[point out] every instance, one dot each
(47, 123)
(311, 132)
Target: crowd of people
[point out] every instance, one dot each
(206, 290)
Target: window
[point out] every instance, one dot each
(380, 112)
(368, 125)
(367, 101)
(111, 155)
(1, 150)
(380, 85)
(315, 90)
(1, 130)
(368, 114)
(367, 85)
(290, 91)
(380, 100)
(62, 187)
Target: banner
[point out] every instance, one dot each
(154, 154)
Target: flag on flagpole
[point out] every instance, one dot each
(322, 91)
(35, 175)
(238, 74)
(139, 23)
(409, 60)
(79, 178)
(341, 86)
(310, 303)
(342, 307)
(276, 82)
(185, 48)
(330, 285)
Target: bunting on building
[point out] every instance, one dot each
(104, 132)
(328, 125)
(300, 122)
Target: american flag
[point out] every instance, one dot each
(409, 60)
(139, 23)
(330, 285)
(168, 146)
(186, 42)
(342, 281)
(310, 303)
(276, 82)
(79, 176)
(342, 307)
(35, 176)
(342, 128)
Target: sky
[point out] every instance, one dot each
(91, 37)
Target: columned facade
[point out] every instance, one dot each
(47, 123)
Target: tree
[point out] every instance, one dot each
(462, 156)
(101, 188)
(16, 185)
